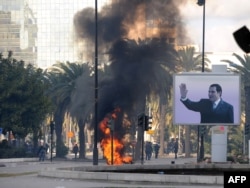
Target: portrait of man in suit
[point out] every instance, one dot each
(212, 109)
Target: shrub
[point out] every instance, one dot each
(61, 150)
(12, 152)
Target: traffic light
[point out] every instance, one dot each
(247, 129)
(148, 122)
(201, 2)
(141, 120)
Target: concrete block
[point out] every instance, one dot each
(203, 179)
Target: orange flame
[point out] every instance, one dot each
(106, 143)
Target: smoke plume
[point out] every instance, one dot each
(136, 36)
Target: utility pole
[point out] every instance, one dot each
(95, 150)
(111, 125)
(141, 125)
(200, 153)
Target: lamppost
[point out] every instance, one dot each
(200, 153)
(111, 125)
(95, 150)
(203, 3)
(52, 128)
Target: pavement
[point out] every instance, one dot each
(153, 171)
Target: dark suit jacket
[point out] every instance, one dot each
(223, 113)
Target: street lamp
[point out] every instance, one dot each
(95, 150)
(200, 153)
(203, 3)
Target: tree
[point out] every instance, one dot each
(62, 78)
(190, 62)
(82, 103)
(243, 68)
(37, 110)
(12, 80)
(139, 69)
(235, 140)
(23, 102)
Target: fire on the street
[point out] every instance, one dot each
(106, 143)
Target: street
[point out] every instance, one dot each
(25, 175)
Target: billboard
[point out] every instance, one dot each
(206, 99)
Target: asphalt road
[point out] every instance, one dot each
(25, 175)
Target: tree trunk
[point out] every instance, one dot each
(35, 141)
(82, 152)
(58, 118)
(187, 140)
(162, 128)
(247, 116)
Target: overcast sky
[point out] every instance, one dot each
(222, 18)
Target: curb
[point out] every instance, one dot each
(133, 177)
(15, 160)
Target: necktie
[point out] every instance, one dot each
(214, 105)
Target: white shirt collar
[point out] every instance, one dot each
(217, 102)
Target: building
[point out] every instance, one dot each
(40, 32)
(18, 31)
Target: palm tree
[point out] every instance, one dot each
(82, 103)
(190, 62)
(62, 78)
(143, 67)
(243, 68)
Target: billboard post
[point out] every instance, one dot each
(219, 144)
(219, 133)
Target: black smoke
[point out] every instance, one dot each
(115, 21)
(138, 65)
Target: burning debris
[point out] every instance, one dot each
(111, 145)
